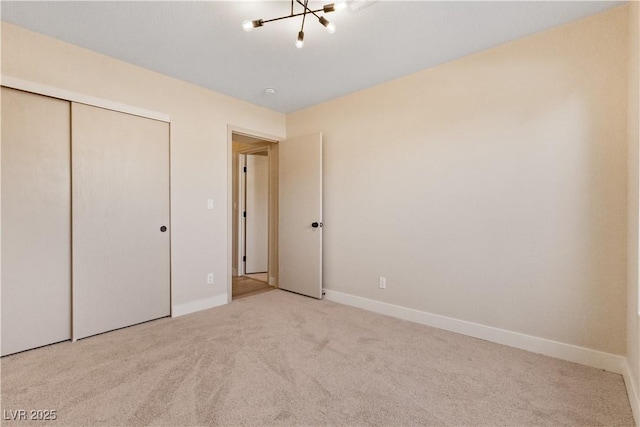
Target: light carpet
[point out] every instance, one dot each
(282, 359)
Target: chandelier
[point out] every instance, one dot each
(331, 28)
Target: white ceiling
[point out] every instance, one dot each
(203, 42)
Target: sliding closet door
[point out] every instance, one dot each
(36, 221)
(120, 220)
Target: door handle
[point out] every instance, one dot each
(316, 224)
(163, 228)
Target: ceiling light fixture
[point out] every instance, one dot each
(330, 26)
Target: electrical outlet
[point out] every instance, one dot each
(209, 203)
(383, 282)
(210, 279)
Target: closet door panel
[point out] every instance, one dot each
(120, 202)
(36, 216)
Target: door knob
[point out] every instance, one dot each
(163, 228)
(316, 225)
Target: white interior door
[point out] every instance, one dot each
(257, 217)
(120, 195)
(300, 215)
(36, 221)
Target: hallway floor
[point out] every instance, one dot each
(244, 286)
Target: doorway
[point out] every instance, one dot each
(254, 199)
(295, 221)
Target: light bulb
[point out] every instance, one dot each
(250, 25)
(300, 41)
(330, 26)
(340, 5)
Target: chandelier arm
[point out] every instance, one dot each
(264, 21)
(304, 15)
(309, 10)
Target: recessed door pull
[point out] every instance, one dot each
(163, 228)
(316, 224)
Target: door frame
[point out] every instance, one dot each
(273, 170)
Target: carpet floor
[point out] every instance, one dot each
(282, 359)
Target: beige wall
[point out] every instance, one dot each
(199, 147)
(491, 189)
(633, 310)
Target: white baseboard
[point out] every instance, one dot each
(234, 271)
(201, 304)
(632, 391)
(572, 353)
